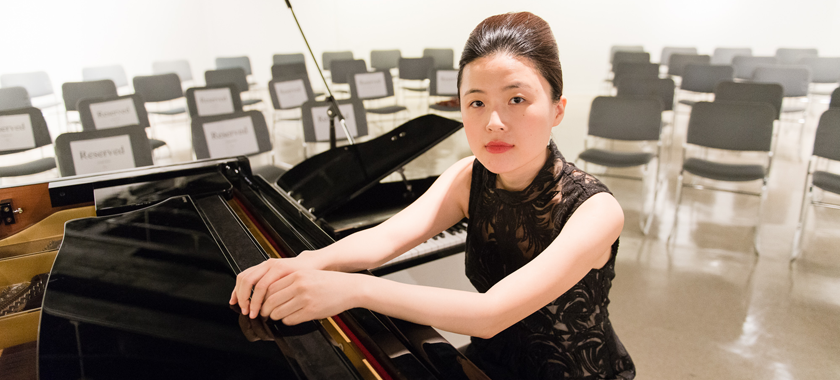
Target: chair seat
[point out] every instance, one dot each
(386, 110)
(616, 159)
(439, 107)
(173, 111)
(155, 143)
(827, 181)
(723, 172)
(688, 102)
(792, 109)
(418, 89)
(32, 167)
(248, 102)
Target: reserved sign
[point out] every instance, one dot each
(234, 137)
(114, 114)
(371, 85)
(102, 154)
(322, 122)
(447, 82)
(214, 101)
(291, 93)
(16, 132)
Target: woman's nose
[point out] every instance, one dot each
(495, 123)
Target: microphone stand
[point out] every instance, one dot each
(333, 111)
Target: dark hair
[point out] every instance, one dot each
(522, 34)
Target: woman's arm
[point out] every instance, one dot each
(441, 206)
(583, 244)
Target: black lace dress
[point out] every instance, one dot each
(570, 338)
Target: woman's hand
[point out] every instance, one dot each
(310, 294)
(259, 277)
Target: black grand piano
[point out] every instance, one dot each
(139, 289)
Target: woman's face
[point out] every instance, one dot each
(508, 113)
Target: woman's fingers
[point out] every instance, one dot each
(262, 287)
(245, 283)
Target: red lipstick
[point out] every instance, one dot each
(496, 147)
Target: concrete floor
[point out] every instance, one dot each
(700, 306)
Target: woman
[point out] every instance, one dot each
(542, 235)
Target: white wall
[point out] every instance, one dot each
(61, 37)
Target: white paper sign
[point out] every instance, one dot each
(371, 85)
(16, 132)
(102, 154)
(114, 114)
(322, 122)
(291, 93)
(234, 137)
(214, 101)
(447, 82)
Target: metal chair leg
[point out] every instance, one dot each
(676, 205)
(803, 216)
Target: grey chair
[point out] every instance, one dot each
(635, 70)
(661, 88)
(414, 70)
(631, 48)
(443, 59)
(667, 51)
(724, 56)
(242, 62)
(835, 98)
(213, 100)
(629, 56)
(678, 62)
(72, 92)
(114, 112)
(280, 59)
(385, 59)
(74, 157)
(13, 98)
(745, 65)
(795, 81)
(826, 151)
(443, 83)
(328, 56)
(734, 127)
(790, 56)
(35, 137)
(703, 79)
(180, 67)
(343, 69)
(160, 88)
(288, 70)
(376, 85)
(37, 84)
(236, 76)
(824, 71)
(313, 111)
(769, 93)
(289, 92)
(115, 73)
(636, 119)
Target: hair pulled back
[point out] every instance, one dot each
(521, 34)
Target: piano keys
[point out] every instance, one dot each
(141, 289)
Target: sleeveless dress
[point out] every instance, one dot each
(571, 337)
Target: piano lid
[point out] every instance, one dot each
(328, 180)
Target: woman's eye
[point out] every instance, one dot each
(477, 103)
(517, 100)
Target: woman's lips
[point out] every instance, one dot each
(498, 147)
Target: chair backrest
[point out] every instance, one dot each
(14, 97)
(635, 69)
(158, 88)
(237, 134)
(795, 80)
(343, 69)
(328, 56)
(290, 91)
(731, 125)
(375, 85)
(280, 59)
(288, 70)
(629, 56)
(626, 118)
(789, 56)
(724, 56)
(242, 62)
(678, 62)
(180, 67)
(112, 112)
(36, 83)
(72, 92)
(661, 88)
(704, 78)
(745, 65)
(443, 58)
(22, 129)
(415, 68)
(115, 73)
(213, 100)
(617, 48)
(384, 59)
(235, 76)
(769, 93)
(835, 98)
(316, 123)
(89, 152)
(443, 82)
(827, 139)
(667, 51)
(823, 69)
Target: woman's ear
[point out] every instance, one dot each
(559, 110)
